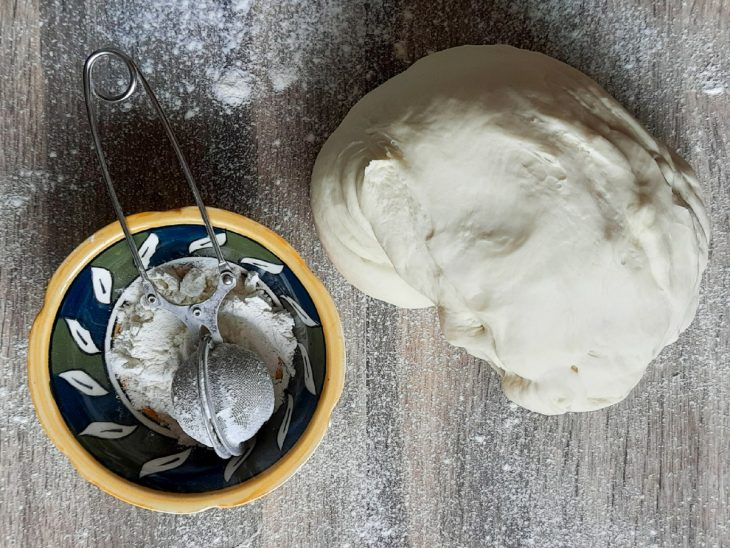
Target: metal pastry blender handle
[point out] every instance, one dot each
(223, 448)
(194, 316)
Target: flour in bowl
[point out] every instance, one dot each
(147, 346)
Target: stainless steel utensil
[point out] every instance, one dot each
(200, 318)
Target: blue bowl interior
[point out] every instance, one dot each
(106, 427)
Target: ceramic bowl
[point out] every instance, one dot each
(123, 451)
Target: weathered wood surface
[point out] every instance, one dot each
(423, 450)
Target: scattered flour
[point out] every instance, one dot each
(233, 88)
(573, 481)
(192, 113)
(242, 54)
(19, 188)
(241, 7)
(281, 78)
(714, 90)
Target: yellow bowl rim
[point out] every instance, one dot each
(91, 469)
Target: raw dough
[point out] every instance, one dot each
(558, 240)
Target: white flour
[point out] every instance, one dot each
(233, 88)
(148, 346)
(631, 475)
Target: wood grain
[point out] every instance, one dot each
(423, 450)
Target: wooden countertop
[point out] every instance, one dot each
(423, 450)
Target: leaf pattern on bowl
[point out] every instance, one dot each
(236, 462)
(108, 430)
(81, 336)
(102, 283)
(266, 266)
(309, 322)
(203, 243)
(148, 248)
(308, 376)
(83, 382)
(259, 283)
(284, 428)
(162, 464)
(101, 421)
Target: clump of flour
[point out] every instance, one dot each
(233, 87)
(148, 346)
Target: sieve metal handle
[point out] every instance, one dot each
(222, 446)
(136, 76)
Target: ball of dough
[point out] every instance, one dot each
(558, 240)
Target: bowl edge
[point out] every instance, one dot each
(87, 466)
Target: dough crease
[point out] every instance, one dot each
(557, 239)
